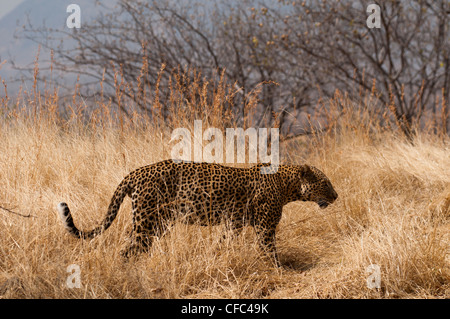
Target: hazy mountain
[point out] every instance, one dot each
(51, 14)
(37, 13)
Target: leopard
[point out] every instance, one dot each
(208, 194)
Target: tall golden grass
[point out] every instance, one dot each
(393, 208)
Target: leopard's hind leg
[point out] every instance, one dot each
(147, 225)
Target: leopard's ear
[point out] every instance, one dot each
(305, 171)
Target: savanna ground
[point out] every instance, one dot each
(393, 208)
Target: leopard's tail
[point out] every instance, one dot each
(122, 190)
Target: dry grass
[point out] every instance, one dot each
(393, 211)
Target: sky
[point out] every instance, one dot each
(6, 6)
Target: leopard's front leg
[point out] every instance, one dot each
(266, 219)
(266, 239)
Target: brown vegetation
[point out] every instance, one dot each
(393, 207)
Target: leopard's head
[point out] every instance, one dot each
(315, 186)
